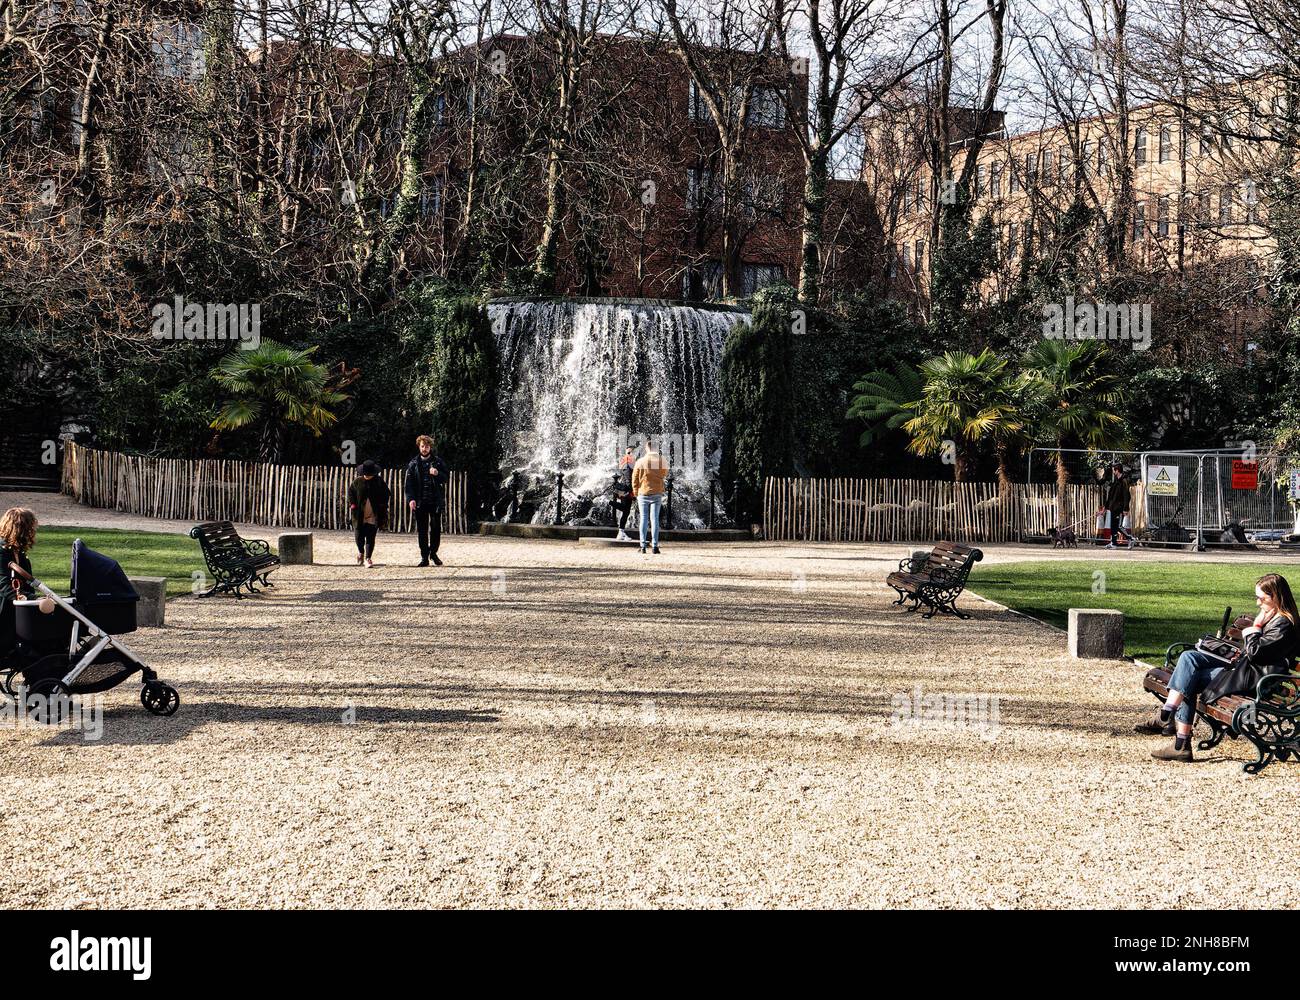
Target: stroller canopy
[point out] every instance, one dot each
(96, 577)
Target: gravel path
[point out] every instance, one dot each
(550, 723)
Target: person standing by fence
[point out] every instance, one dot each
(1117, 504)
(648, 478)
(368, 498)
(424, 488)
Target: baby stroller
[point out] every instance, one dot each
(75, 649)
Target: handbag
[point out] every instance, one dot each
(1103, 520)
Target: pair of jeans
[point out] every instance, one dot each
(428, 530)
(648, 511)
(366, 539)
(1192, 675)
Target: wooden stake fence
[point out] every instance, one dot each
(290, 496)
(895, 510)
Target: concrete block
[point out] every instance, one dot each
(1096, 632)
(295, 548)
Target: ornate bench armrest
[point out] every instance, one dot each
(1174, 651)
(1280, 691)
(257, 547)
(907, 566)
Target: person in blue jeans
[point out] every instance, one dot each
(1269, 645)
(648, 478)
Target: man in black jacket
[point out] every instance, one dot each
(426, 479)
(1117, 502)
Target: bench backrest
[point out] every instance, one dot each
(219, 537)
(953, 558)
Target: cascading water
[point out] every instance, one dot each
(582, 379)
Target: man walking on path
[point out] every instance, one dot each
(1117, 502)
(426, 480)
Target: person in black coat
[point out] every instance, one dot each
(368, 498)
(17, 536)
(424, 487)
(1117, 502)
(1269, 645)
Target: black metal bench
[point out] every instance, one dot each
(234, 562)
(1270, 720)
(936, 583)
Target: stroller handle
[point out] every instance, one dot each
(20, 571)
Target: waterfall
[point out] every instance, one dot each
(581, 379)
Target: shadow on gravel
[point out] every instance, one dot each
(131, 726)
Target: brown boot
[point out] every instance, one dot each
(1171, 753)
(1154, 727)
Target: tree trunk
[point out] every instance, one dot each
(814, 224)
(1063, 512)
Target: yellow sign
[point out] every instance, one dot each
(1162, 480)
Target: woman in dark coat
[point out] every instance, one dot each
(368, 498)
(17, 536)
(1270, 644)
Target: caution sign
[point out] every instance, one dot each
(1162, 480)
(1245, 475)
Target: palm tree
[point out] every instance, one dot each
(277, 386)
(967, 397)
(886, 400)
(1079, 400)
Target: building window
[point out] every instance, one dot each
(764, 193)
(1203, 208)
(920, 195)
(766, 108)
(1140, 146)
(1085, 157)
(1207, 139)
(756, 277)
(702, 281)
(1013, 239)
(1166, 143)
(979, 181)
(907, 257)
(1162, 216)
(1049, 176)
(1226, 197)
(920, 255)
(893, 262)
(1063, 164)
(907, 199)
(178, 50)
(1013, 183)
(1139, 220)
(995, 180)
(1103, 157)
(431, 198)
(701, 189)
(1031, 168)
(1250, 200)
(699, 110)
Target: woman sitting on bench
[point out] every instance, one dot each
(1269, 645)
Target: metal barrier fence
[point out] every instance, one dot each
(1199, 493)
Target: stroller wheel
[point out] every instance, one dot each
(7, 682)
(160, 698)
(49, 689)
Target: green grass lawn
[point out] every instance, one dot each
(1163, 602)
(140, 553)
